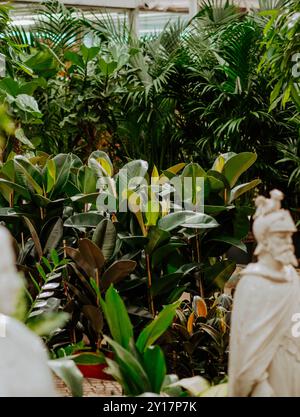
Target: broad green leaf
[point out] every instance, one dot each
(86, 180)
(156, 237)
(20, 135)
(22, 191)
(161, 253)
(193, 170)
(55, 236)
(231, 241)
(63, 167)
(89, 358)
(131, 367)
(189, 219)
(115, 370)
(200, 221)
(83, 220)
(135, 242)
(85, 198)
(51, 174)
(237, 191)
(219, 164)
(219, 273)
(28, 179)
(74, 58)
(133, 170)
(28, 104)
(157, 327)
(176, 168)
(89, 53)
(117, 317)
(237, 165)
(10, 86)
(173, 220)
(152, 213)
(105, 236)
(166, 283)
(155, 367)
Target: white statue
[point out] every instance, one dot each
(24, 370)
(264, 350)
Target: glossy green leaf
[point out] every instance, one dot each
(219, 273)
(155, 367)
(55, 236)
(22, 191)
(239, 190)
(117, 317)
(105, 236)
(50, 174)
(131, 367)
(63, 167)
(161, 253)
(20, 135)
(231, 241)
(157, 327)
(83, 220)
(156, 237)
(236, 165)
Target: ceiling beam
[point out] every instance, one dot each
(112, 4)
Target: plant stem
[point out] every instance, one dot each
(22, 239)
(98, 283)
(150, 297)
(199, 260)
(11, 199)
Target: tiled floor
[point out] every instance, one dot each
(92, 388)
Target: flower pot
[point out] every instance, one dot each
(90, 366)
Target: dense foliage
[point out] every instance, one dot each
(189, 93)
(83, 99)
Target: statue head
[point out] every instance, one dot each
(273, 229)
(10, 281)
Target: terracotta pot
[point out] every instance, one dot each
(96, 371)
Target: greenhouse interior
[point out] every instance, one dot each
(150, 200)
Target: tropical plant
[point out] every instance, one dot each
(281, 52)
(140, 366)
(197, 342)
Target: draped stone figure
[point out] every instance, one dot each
(24, 370)
(264, 349)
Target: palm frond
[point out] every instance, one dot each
(216, 13)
